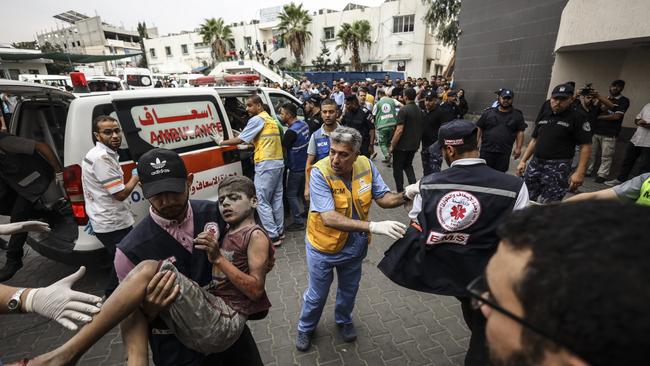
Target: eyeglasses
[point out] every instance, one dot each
(481, 295)
(108, 132)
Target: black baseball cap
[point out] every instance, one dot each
(456, 132)
(563, 91)
(506, 93)
(314, 98)
(161, 170)
(429, 94)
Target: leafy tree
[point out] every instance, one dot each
(352, 37)
(294, 21)
(443, 16)
(217, 34)
(338, 64)
(322, 61)
(142, 31)
(57, 67)
(25, 45)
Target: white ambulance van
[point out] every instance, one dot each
(181, 119)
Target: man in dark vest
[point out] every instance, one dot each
(168, 233)
(456, 214)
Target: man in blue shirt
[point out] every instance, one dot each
(342, 188)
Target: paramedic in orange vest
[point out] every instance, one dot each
(342, 188)
(264, 133)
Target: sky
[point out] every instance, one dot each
(29, 17)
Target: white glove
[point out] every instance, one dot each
(59, 302)
(218, 138)
(24, 226)
(393, 229)
(411, 190)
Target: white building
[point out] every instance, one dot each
(401, 41)
(10, 69)
(91, 36)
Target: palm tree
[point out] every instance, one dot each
(352, 37)
(293, 25)
(216, 33)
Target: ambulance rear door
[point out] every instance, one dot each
(183, 120)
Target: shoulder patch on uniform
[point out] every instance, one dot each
(458, 210)
(586, 126)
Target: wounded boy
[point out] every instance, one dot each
(209, 319)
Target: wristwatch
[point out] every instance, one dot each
(14, 303)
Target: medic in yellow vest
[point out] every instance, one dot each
(342, 188)
(263, 131)
(635, 190)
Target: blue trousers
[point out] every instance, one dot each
(320, 267)
(268, 184)
(295, 195)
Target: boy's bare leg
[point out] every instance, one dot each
(123, 302)
(135, 333)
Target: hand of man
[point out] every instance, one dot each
(390, 149)
(307, 195)
(24, 226)
(521, 168)
(516, 154)
(161, 292)
(59, 302)
(218, 138)
(208, 242)
(392, 229)
(575, 181)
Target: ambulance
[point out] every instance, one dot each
(180, 119)
(135, 78)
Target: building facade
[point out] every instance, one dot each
(10, 69)
(91, 36)
(400, 41)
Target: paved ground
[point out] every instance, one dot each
(396, 326)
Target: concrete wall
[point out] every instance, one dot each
(178, 62)
(507, 44)
(601, 67)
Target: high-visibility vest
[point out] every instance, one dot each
(330, 240)
(268, 145)
(644, 194)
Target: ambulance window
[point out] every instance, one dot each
(236, 111)
(279, 99)
(108, 110)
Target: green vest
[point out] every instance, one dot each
(386, 116)
(644, 194)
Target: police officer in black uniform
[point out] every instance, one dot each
(432, 118)
(360, 119)
(499, 128)
(312, 107)
(558, 130)
(450, 106)
(457, 212)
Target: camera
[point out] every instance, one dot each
(587, 90)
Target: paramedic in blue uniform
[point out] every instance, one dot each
(457, 212)
(319, 142)
(168, 233)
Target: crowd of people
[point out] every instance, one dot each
(547, 283)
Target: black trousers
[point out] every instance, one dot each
(403, 163)
(498, 161)
(110, 241)
(21, 210)
(477, 353)
(632, 153)
(243, 352)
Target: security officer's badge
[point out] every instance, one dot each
(586, 126)
(364, 186)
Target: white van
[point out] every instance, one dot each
(135, 78)
(177, 119)
(58, 81)
(102, 83)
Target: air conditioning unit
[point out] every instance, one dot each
(399, 43)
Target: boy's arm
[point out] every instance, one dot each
(250, 284)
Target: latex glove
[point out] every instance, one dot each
(412, 190)
(218, 138)
(59, 302)
(134, 172)
(24, 226)
(393, 229)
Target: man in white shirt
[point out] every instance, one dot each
(637, 148)
(105, 190)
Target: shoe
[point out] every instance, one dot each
(296, 227)
(348, 333)
(613, 182)
(281, 236)
(303, 341)
(10, 269)
(599, 180)
(276, 242)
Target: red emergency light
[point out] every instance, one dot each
(79, 83)
(248, 79)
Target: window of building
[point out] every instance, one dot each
(152, 52)
(168, 51)
(200, 45)
(438, 53)
(404, 23)
(248, 41)
(184, 49)
(78, 43)
(328, 33)
(65, 45)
